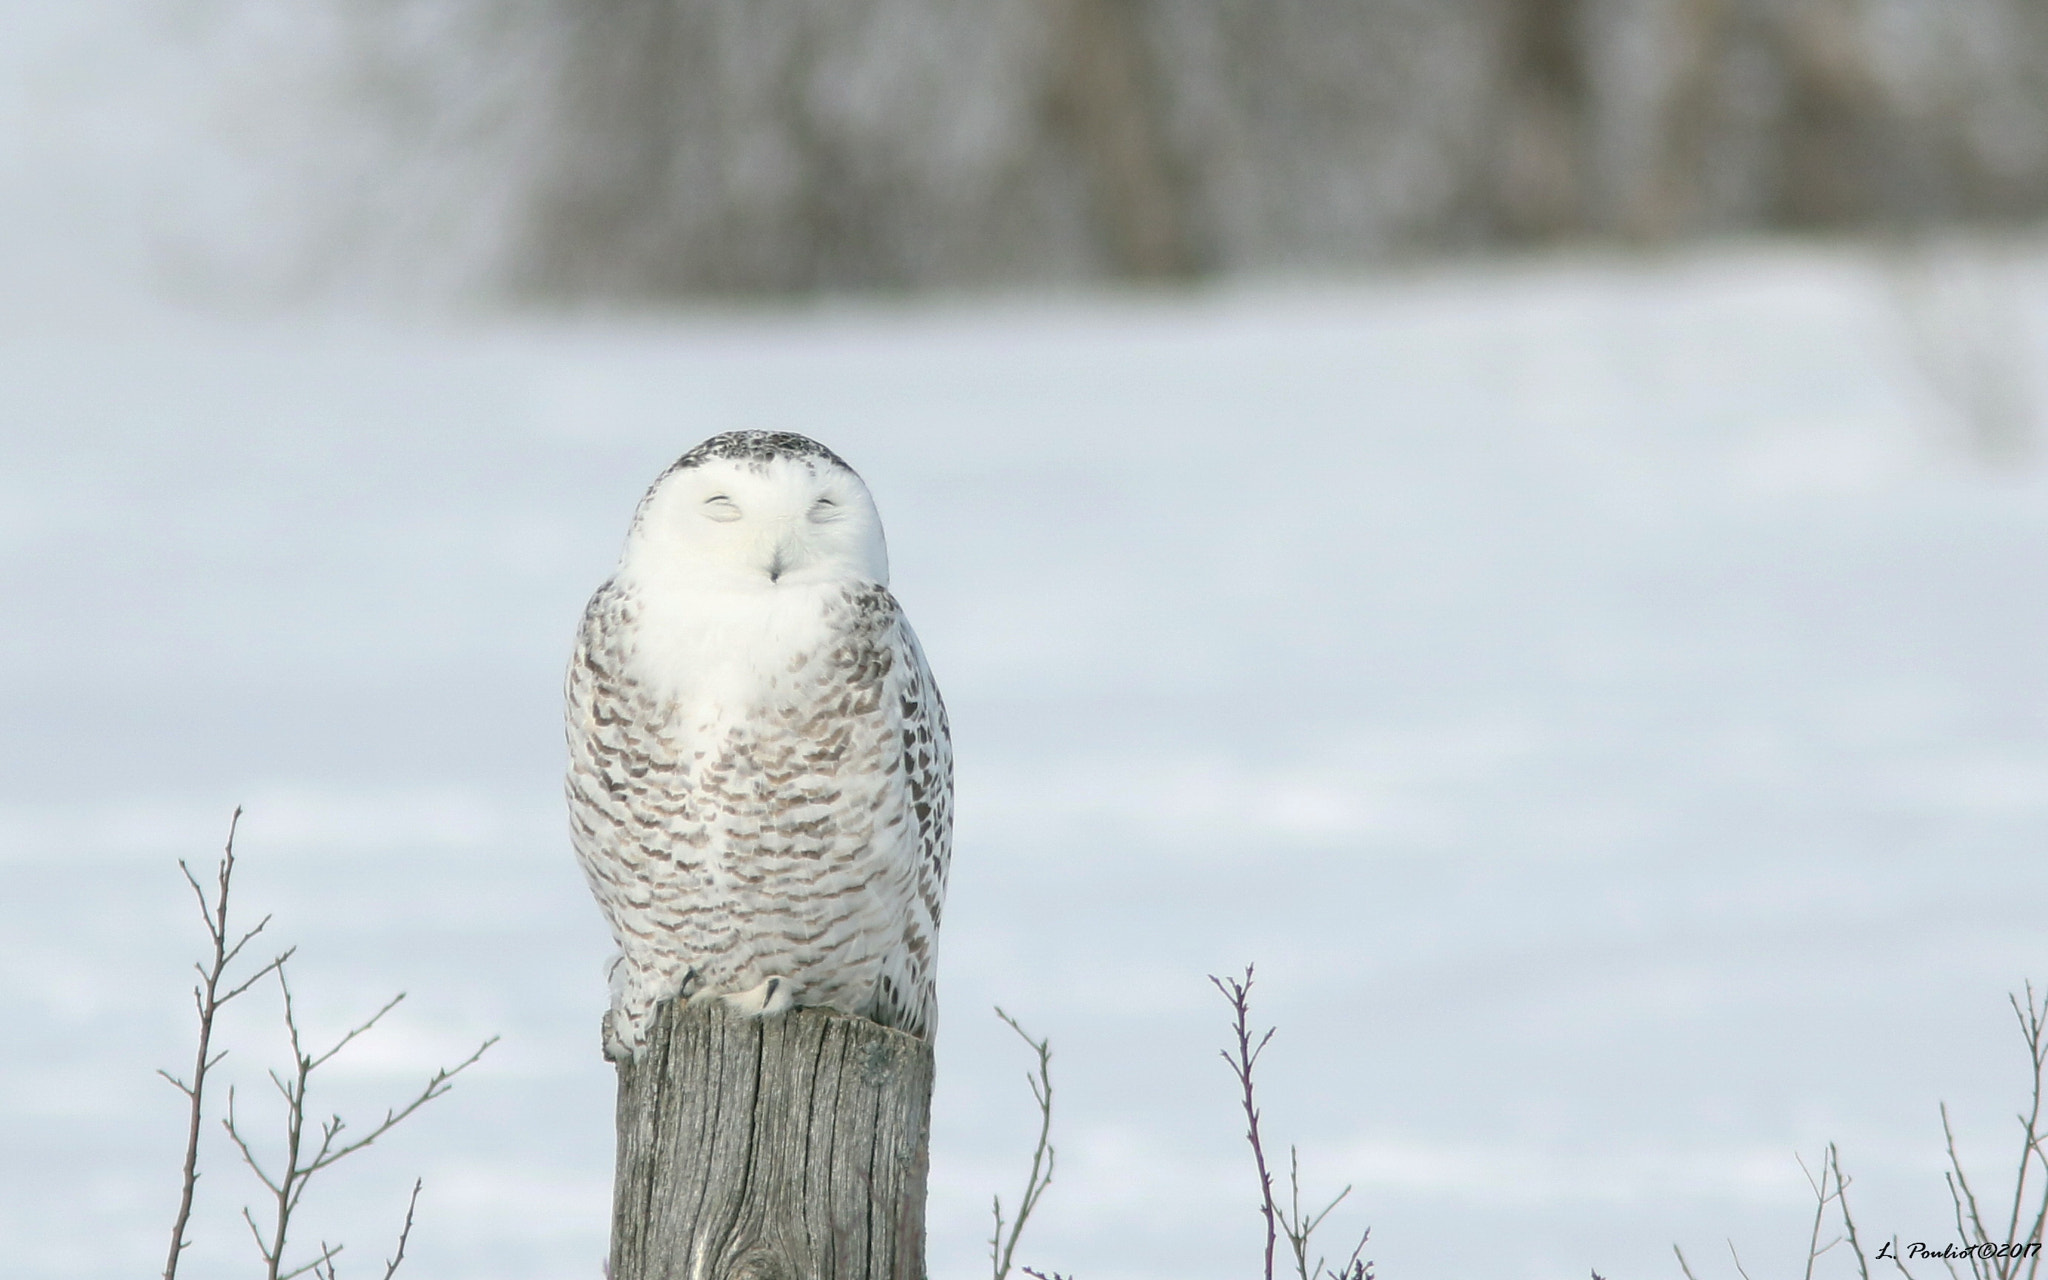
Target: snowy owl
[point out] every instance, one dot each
(760, 774)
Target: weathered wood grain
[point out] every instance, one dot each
(790, 1147)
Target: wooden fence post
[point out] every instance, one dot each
(790, 1147)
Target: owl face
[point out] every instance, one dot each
(759, 524)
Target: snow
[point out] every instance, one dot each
(1605, 696)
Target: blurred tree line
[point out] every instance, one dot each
(674, 147)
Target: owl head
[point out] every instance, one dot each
(758, 511)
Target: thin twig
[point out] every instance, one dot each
(208, 999)
(1238, 993)
(2032, 1016)
(1959, 1186)
(1842, 1206)
(288, 1186)
(1354, 1268)
(1682, 1263)
(435, 1088)
(1738, 1261)
(1821, 1197)
(322, 1267)
(1298, 1229)
(1297, 1224)
(2033, 1020)
(405, 1233)
(1001, 1250)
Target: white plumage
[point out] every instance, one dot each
(760, 775)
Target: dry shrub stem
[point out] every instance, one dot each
(1831, 1187)
(209, 998)
(1296, 1225)
(323, 1269)
(1682, 1265)
(2011, 1254)
(1738, 1261)
(1238, 993)
(2030, 1213)
(1001, 1249)
(287, 1186)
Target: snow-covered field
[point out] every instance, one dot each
(1608, 699)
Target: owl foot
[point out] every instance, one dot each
(772, 996)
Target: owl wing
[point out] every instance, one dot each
(907, 992)
(614, 754)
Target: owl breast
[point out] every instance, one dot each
(752, 794)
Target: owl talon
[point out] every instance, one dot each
(772, 996)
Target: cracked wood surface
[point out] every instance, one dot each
(787, 1147)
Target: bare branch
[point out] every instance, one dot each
(262, 1246)
(289, 1189)
(1738, 1261)
(244, 940)
(435, 1088)
(1293, 1222)
(358, 1029)
(1821, 1197)
(207, 999)
(2033, 1022)
(1298, 1229)
(288, 1186)
(326, 1260)
(1681, 1262)
(1238, 994)
(1001, 1250)
(1959, 1187)
(1354, 1268)
(1834, 1162)
(276, 962)
(248, 1156)
(405, 1233)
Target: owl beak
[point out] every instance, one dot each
(782, 561)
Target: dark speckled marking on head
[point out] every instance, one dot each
(756, 449)
(753, 450)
